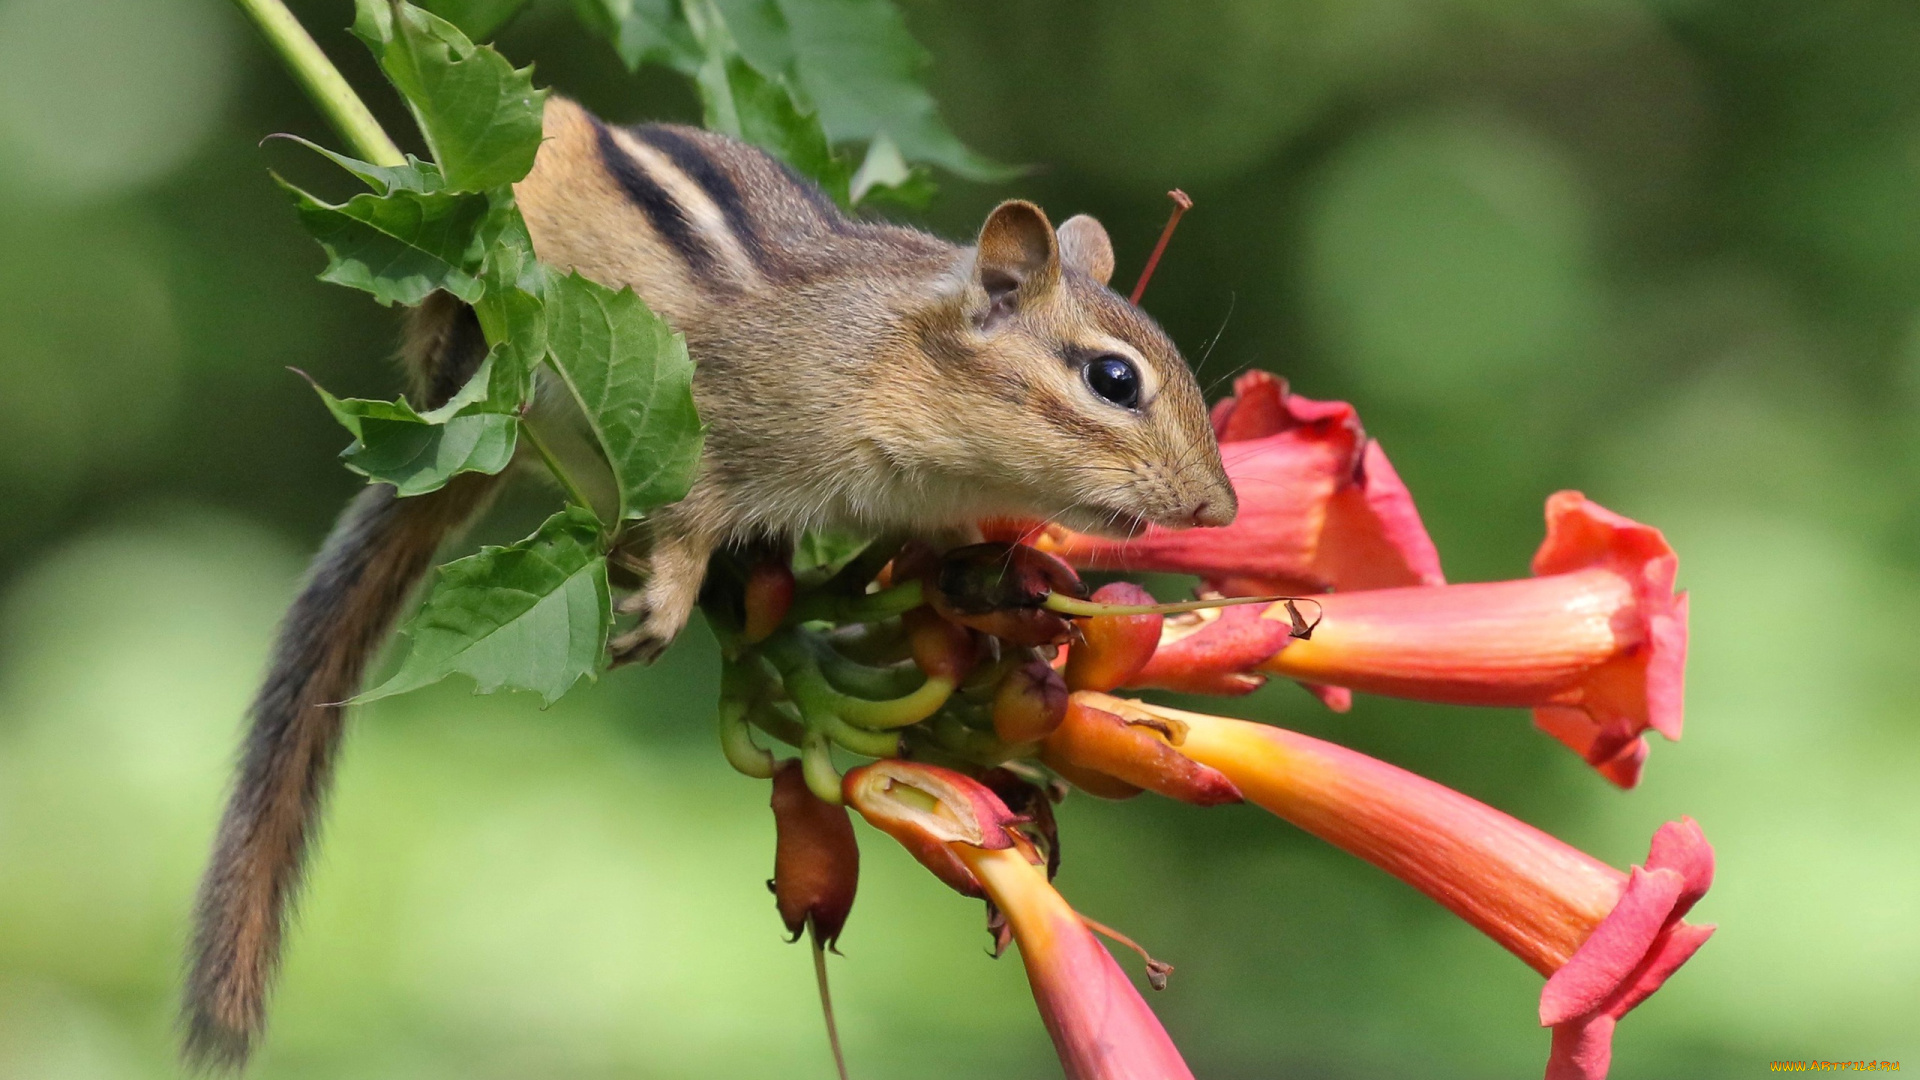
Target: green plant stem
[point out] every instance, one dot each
(867, 607)
(736, 742)
(559, 471)
(816, 766)
(323, 82)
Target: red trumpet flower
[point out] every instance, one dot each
(1606, 940)
(1320, 507)
(1595, 644)
(1101, 1028)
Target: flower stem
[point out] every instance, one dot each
(816, 765)
(1067, 605)
(322, 82)
(1181, 204)
(559, 471)
(826, 998)
(903, 711)
(865, 608)
(736, 742)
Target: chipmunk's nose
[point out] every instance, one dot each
(1210, 513)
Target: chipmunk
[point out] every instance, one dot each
(851, 375)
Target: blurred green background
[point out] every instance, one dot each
(1665, 251)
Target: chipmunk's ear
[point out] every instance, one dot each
(1085, 247)
(1017, 260)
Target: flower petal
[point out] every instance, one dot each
(1320, 507)
(928, 809)
(1614, 948)
(1213, 652)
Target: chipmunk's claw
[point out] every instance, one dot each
(637, 646)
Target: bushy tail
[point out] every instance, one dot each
(377, 554)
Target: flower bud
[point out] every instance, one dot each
(1112, 648)
(769, 594)
(927, 808)
(942, 649)
(1029, 703)
(816, 863)
(1001, 589)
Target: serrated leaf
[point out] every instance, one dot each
(420, 452)
(857, 63)
(477, 19)
(480, 116)
(529, 616)
(400, 246)
(415, 175)
(643, 31)
(632, 378)
(512, 313)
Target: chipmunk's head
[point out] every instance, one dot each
(1078, 405)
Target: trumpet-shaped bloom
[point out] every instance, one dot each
(1101, 1027)
(1595, 643)
(1604, 939)
(1320, 507)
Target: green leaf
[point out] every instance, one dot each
(480, 116)
(743, 102)
(415, 175)
(477, 19)
(885, 176)
(512, 313)
(857, 63)
(643, 31)
(771, 119)
(400, 246)
(529, 616)
(420, 452)
(827, 551)
(632, 378)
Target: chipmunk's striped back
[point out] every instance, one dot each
(690, 218)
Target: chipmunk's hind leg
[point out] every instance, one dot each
(676, 568)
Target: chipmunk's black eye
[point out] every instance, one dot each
(1114, 378)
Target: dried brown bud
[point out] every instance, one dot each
(1001, 589)
(816, 862)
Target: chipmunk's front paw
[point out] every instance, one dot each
(664, 603)
(644, 643)
(637, 646)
